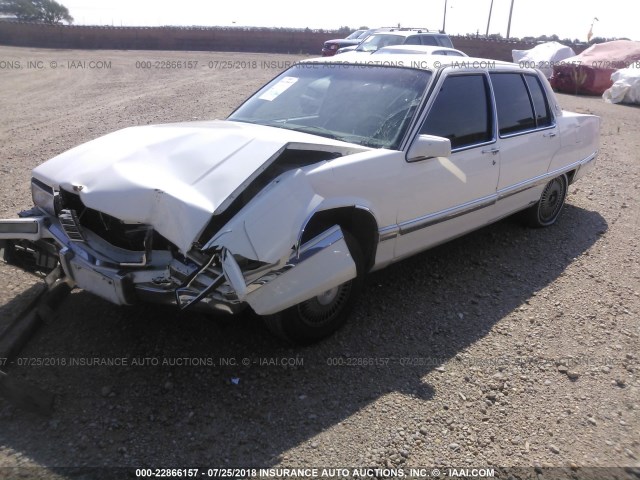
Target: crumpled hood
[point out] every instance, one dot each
(173, 176)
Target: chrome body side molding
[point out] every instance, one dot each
(392, 231)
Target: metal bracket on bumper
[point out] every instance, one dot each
(189, 293)
(43, 237)
(30, 228)
(22, 244)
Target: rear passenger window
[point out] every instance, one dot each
(429, 40)
(415, 40)
(461, 112)
(540, 104)
(444, 41)
(515, 112)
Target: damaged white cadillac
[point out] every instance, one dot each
(330, 171)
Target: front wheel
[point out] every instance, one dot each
(546, 210)
(320, 316)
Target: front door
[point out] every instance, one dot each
(446, 197)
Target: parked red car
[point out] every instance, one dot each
(331, 46)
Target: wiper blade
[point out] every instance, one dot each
(313, 130)
(373, 143)
(297, 127)
(324, 132)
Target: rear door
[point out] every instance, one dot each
(526, 126)
(528, 139)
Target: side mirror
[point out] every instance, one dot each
(428, 146)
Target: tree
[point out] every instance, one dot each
(48, 11)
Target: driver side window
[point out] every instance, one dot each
(462, 112)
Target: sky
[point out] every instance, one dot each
(565, 18)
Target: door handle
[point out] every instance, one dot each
(549, 134)
(494, 151)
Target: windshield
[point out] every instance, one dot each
(374, 42)
(370, 105)
(355, 35)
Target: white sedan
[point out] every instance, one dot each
(330, 171)
(419, 49)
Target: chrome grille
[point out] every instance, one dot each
(71, 225)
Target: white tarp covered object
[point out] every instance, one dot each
(626, 86)
(543, 56)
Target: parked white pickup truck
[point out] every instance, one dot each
(331, 170)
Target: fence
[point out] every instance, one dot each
(231, 39)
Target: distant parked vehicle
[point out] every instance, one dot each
(400, 36)
(331, 46)
(420, 49)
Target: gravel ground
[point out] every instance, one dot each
(509, 347)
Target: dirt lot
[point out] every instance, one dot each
(508, 347)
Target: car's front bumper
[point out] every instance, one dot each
(217, 282)
(94, 267)
(23, 228)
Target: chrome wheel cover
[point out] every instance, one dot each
(325, 307)
(551, 200)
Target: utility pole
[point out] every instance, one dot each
(444, 17)
(489, 20)
(590, 34)
(510, 13)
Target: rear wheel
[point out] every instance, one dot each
(546, 210)
(320, 316)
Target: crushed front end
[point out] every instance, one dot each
(127, 263)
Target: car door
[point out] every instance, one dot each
(528, 137)
(445, 197)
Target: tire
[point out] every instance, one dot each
(8, 254)
(319, 317)
(4, 247)
(546, 211)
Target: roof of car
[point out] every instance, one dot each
(407, 32)
(420, 61)
(426, 49)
